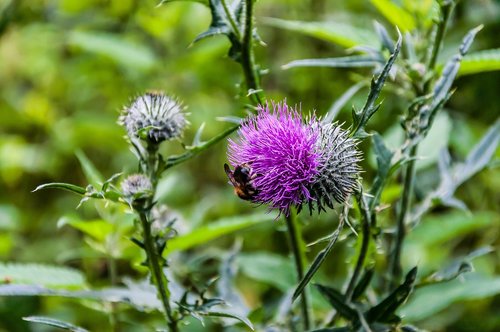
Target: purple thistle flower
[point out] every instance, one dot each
(280, 148)
(293, 160)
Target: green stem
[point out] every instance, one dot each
(113, 319)
(157, 275)
(247, 56)
(151, 168)
(365, 242)
(299, 257)
(395, 263)
(446, 8)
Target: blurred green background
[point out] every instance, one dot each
(68, 67)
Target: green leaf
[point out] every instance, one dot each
(222, 23)
(223, 314)
(204, 2)
(318, 260)
(450, 70)
(360, 119)
(385, 310)
(128, 54)
(338, 33)
(43, 275)
(97, 229)
(384, 162)
(429, 300)
(55, 323)
(439, 229)
(395, 14)
(214, 230)
(363, 284)
(430, 147)
(478, 62)
(455, 269)
(268, 268)
(341, 62)
(92, 175)
(338, 302)
(452, 176)
(63, 186)
(141, 296)
(481, 154)
(384, 37)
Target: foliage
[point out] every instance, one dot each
(417, 88)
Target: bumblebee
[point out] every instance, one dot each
(241, 179)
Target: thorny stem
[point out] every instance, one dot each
(113, 318)
(446, 8)
(247, 56)
(150, 165)
(395, 266)
(298, 255)
(365, 241)
(157, 275)
(404, 209)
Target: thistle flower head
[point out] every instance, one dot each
(154, 117)
(338, 176)
(280, 148)
(136, 186)
(295, 160)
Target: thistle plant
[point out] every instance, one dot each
(301, 170)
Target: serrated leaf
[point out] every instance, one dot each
(384, 162)
(395, 14)
(63, 186)
(341, 34)
(42, 275)
(54, 323)
(318, 260)
(92, 175)
(363, 284)
(360, 119)
(223, 314)
(452, 176)
(215, 229)
(385, 310)
(384, 37)
(450, 70)
(482, 152)
(340, 62)
(220, 23)
(338, 302)
(481, 61)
